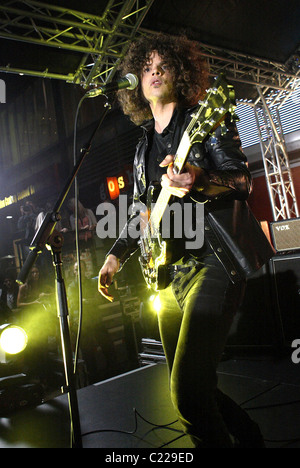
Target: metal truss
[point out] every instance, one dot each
(102, 41)
(275, 157)
(276, 80)
(276, 163)
(274, 83)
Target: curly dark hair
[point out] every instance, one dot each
(186, 63)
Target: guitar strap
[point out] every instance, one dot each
(216, 245)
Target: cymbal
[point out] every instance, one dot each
(8, 257)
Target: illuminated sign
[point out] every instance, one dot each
(7, 201)
(114, 185)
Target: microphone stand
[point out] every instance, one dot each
(47, 235)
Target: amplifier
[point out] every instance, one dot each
(286, 234)
(285, 271)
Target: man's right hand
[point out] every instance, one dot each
(106, 274)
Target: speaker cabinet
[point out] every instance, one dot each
(286, 234)
(256, 324)
(286, 281)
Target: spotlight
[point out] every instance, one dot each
(156, 304)
(13, 339)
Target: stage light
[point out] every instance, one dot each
(13, 339)
(156, 304)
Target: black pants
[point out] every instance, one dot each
(195, 318)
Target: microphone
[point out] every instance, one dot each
(129, 81)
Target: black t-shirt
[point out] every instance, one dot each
(160, 145)
(156, 155)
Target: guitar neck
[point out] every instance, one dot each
(164, 195)
(159, 209)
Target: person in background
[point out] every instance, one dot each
(61, 226)
(34, 290)
(10, 290)
(86, 227)
(86, 220)
(26, 226)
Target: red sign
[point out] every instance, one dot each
(113, 187)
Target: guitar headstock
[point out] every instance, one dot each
(218, 101)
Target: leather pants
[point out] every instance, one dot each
(197, 311)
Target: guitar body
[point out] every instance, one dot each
(155, 267)
(158, 253)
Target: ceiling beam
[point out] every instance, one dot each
(102, 40)
(276, 80)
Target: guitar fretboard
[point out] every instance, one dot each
(164, 195)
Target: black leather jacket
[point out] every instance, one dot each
(230, 227)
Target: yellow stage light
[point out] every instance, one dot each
(156, 304)
(13, 339)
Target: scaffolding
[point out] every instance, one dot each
(101, 42)
(274, 83)
(276, 162)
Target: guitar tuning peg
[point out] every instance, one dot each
(210, 122)
(203, 103)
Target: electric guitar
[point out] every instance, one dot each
(154, 250)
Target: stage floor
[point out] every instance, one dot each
(134, 411)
